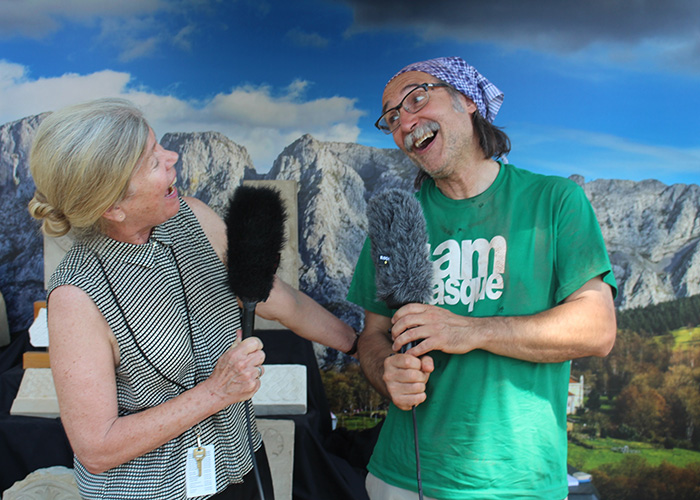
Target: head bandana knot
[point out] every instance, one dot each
(466, 79)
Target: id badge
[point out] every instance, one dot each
(200, 471)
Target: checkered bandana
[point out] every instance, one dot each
(466, 79)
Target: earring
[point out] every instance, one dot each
(122, 216)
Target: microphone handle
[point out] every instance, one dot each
(408, 346)
(248, 319)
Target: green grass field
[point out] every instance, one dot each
(609, 451)
(686, 337)
(360, 421)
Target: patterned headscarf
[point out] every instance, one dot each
(466, 79)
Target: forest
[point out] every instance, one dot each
(647, 390)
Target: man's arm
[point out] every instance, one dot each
(583, 325)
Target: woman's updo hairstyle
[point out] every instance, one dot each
(81, 160)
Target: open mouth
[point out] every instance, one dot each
(422, 137)
(422, 142)
(171, 190)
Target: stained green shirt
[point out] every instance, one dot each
(493, 427)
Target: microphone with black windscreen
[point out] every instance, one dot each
(255, 231)
(401, 257)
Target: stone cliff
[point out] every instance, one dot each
(652, 230)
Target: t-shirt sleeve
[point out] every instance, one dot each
(363, 291)
(581, 254)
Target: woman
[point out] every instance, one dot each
(150, 377)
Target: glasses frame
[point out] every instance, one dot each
(426, 87)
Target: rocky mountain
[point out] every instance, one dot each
(210, 166)
(652, 233)
(651, 229)
(21, 244)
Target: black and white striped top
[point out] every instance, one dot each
(150, 303)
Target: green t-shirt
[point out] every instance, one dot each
(493, 427)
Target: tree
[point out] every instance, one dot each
(644, 410)
(682, 391)
(634, 479)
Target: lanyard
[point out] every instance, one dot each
(128, 327)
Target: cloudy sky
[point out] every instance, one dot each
(605, 89)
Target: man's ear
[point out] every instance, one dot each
(470, 105)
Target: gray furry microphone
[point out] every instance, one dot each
(404, 272)
(397, 230)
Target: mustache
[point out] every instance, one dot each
(420, 131)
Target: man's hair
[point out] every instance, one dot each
(494, 142)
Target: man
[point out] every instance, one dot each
(523, 284)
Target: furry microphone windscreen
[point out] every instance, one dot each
(399, 248)
(255, 230)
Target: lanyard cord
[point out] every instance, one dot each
(133, 335)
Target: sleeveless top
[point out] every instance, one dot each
(173, 314)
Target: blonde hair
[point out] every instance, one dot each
(81, 160)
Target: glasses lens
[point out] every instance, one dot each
(389, 121)
(415, 100)
(412, 102)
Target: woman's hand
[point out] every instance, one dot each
(236, 376)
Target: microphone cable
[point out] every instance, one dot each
(248, 314)
(415, 437)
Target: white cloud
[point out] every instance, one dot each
(135, 49)
(183, 37)
(127, 25)
(250, 116)
(22, 96)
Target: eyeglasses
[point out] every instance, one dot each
(412, 102)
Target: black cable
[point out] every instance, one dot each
(415, 440)
(249, 424)
(419, 479)
(248, 316)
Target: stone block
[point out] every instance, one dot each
(282, 391)
(278, 436)
(55, 483)
(36, 396)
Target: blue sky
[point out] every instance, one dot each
(599, 88)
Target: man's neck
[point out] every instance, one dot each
(469, 181)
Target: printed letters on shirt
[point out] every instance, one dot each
(468, 271)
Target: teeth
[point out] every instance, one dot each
(421, 140)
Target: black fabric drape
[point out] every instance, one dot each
(327, 464)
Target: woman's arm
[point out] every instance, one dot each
(83, 358)
(305, 317)
(294, 309)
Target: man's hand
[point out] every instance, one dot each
(405, 377)
(438, 330)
